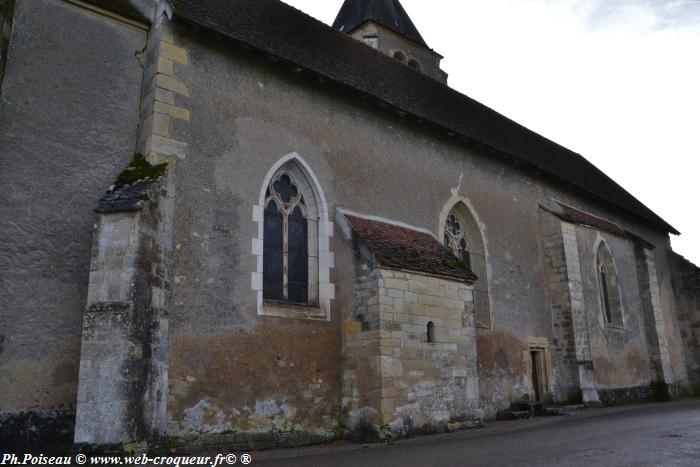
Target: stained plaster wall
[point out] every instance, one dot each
(662, 259)
(68, 121)
(233, 369)
(620, 356)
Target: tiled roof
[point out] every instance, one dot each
(406, 249)
(279, 30)
(577, 216)
(126, 198)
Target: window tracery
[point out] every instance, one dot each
(456, 238)
(462, 234)
(286, 243)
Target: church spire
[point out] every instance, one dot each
(388, 13)
(385, 26)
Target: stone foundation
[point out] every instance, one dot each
(656, 392)
(50, 432)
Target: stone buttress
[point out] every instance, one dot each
(123, 379)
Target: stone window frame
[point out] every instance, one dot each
(322, 260)
(463, 204)
(617, 315)
(306, 203)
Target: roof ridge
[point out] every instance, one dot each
(274, 28)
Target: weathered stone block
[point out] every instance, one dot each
(352, 327)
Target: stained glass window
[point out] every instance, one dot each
(456, 238)
(273, 254)
(286, 244)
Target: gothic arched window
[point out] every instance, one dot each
(456, 238)
(286, 242)
(292, 248)
(462, 234)
(609, 288)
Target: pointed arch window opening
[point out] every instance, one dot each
(606, 296)
(609, 287)
(461, 236)
(456, 238)
(286, 243)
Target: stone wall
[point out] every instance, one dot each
(620, 351)
(245, 118)
(617, 360)
(397, 382)
(123, 377)
(686, 286)
(123, 383)
(68, 123)
(567, 386)
(389, 42)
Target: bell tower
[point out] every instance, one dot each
(385, 25)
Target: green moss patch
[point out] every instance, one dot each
(140, 169)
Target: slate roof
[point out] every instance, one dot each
(126, 198)
(406, 249)
(279, 30)
(388, 13)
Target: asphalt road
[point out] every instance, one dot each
(665, 434)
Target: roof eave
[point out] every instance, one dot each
(407, 112)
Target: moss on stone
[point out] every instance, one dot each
(140, 169)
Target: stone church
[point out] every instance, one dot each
(225, 221)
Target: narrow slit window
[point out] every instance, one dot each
(431, 332)
(606, 297)
(609, 288)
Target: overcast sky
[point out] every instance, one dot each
(617, 81)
